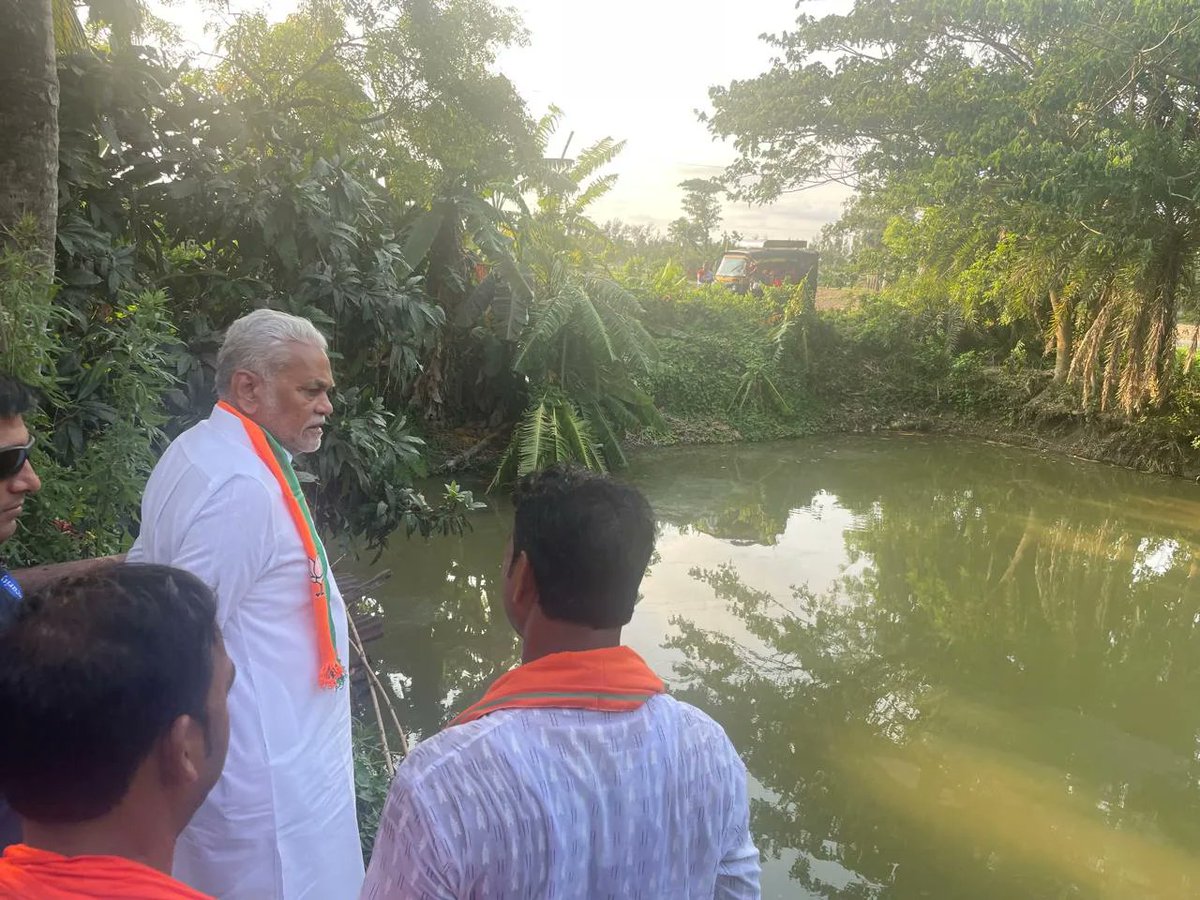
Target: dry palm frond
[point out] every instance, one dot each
(69, 36)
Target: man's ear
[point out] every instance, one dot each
(525, 591)
(182, 750)
(245, 390)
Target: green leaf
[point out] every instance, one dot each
(421, 235)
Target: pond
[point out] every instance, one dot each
(953, 669)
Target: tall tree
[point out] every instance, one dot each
(701, 212)
(29, 122)
(1076, 119)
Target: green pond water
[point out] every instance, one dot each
(953, 669)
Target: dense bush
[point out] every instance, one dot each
(101, 371)
(767, 367)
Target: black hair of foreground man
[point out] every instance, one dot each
(112, 698)
(16, 399)
(588, 539)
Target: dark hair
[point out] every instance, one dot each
(16, 398)
(588, 539)
(93, 671)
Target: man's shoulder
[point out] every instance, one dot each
(209, 454)
(442, 757)
(696, 728)
(28, 872)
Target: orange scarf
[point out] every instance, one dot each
(28, 873)
(330, 671)
(611, 679)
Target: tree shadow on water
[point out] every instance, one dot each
(997, 700)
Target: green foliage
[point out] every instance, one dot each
(365, 472)
(293, 175)
(701, 217)
(552, 430)
(103, 373)
(757, 386)
(372, 781)
(767, 366)
(966, 381)
(584, 347)
(729, 364)
(409, 86)
(28, 317)
(1029, 169)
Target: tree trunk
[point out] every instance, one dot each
(29, 122)
(1061, 310)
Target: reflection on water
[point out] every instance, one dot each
(953, 669)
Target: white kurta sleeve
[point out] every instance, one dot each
(227, 545)
(739, 871)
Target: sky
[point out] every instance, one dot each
(638, 70)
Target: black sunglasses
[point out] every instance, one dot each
(12, 459)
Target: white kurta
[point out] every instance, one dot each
(570, 804)
(281, 821)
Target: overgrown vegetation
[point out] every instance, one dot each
(1022, 254)
(1015, 162)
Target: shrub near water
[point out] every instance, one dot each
(728, 366)
(763, 366)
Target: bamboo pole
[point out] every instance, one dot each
(378, 690)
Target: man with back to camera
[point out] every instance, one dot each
(113, 696)
(575, 775)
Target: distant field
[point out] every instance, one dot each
(836, 298)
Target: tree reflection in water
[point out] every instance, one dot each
(446, 638)
(997, 699)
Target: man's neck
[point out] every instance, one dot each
(150, 846)
(544, 636)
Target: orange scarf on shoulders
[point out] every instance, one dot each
(611, 679)
(31, 874)
(330, 671)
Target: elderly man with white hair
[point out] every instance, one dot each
(224, 504)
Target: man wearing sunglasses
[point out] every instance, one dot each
(17, 478)
(17, 481)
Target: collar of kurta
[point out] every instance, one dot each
(229, 420)
(28, 872)
(611, 679)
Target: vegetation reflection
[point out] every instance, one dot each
(995, 699)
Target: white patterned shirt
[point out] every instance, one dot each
(566, 803)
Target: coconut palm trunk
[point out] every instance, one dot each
(29, 122)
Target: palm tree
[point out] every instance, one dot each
(29, 136)
(32, 33)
